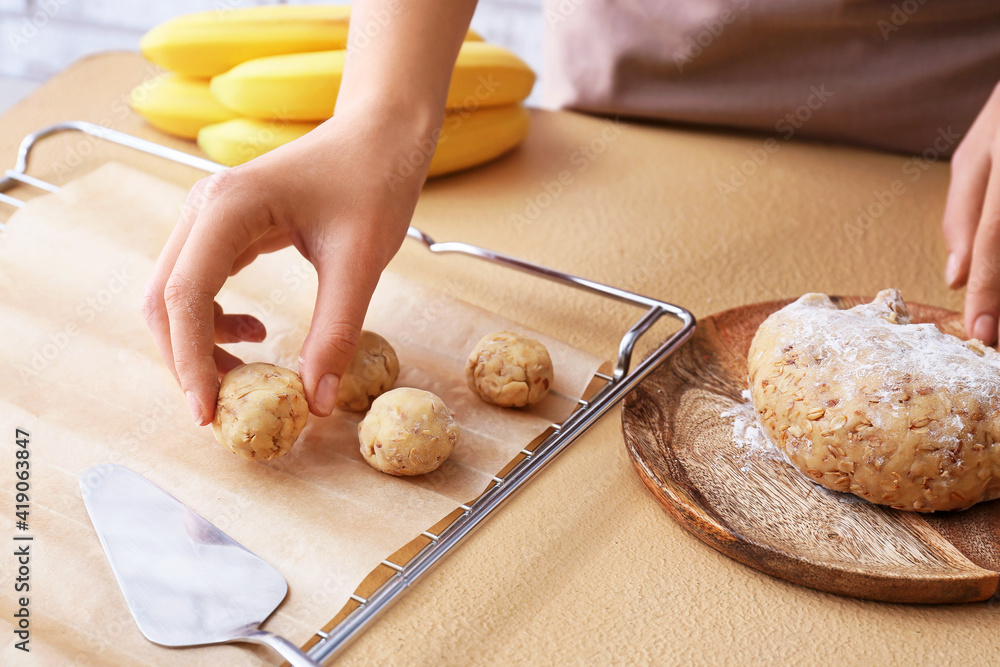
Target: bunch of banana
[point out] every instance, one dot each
(244, 81)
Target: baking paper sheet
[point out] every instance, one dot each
(82, 375)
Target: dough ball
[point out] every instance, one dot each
(261, 411)
(864, 401)
(407, 432)
(372, 371)
(510, 370)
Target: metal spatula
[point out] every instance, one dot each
(185, 581)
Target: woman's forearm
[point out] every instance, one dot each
(400, 56)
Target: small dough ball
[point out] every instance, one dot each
(261, 411)
(372, 372)
(408, 432)
(510, 370)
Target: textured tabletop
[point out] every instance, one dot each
(583, 567)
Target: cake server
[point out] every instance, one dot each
(184, 580)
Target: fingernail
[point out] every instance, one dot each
(985, 328)
(326, 393)
(951, 270)
(195, 408)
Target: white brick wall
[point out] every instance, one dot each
(41, 37)
(36, 50)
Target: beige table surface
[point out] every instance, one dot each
(583, 567)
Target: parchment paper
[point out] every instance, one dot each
(81, 374)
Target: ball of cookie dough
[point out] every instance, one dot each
(372, 372)
(509, 370)
(261, 411)
(408, 432)
(866, 402)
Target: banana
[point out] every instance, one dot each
(304, 86)
(209, 43)
(468, 138)
(178, 105)
(242, 139)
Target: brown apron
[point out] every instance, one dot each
(902, 75)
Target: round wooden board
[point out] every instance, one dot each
(759, 510)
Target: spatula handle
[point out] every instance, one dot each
(282, 646)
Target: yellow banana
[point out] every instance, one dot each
(304, 86)
(209, 43)
(178, 105)
(242, 139)
(468, 138)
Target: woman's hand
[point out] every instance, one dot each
(972, 222)
(329, 195)
(338, 194)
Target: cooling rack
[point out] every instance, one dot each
(432, 545)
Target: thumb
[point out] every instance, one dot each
(341, 303)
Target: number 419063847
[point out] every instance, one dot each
(21, 472)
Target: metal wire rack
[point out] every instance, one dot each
(361, 610)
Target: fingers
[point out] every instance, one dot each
(982, 299)
(153, 307)
(345, 288)
(202, 268)
(237, 328)
(964, 208)
(970, 173)
(273, 240)
(221, 218)
(225, 361)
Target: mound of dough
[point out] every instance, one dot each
(408, 432)
(509, 370)
(371, 373)
(863, 401)
(261, 411)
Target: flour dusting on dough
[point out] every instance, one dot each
(877, 342)
(749, 436)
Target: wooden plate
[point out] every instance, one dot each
(762, 512)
